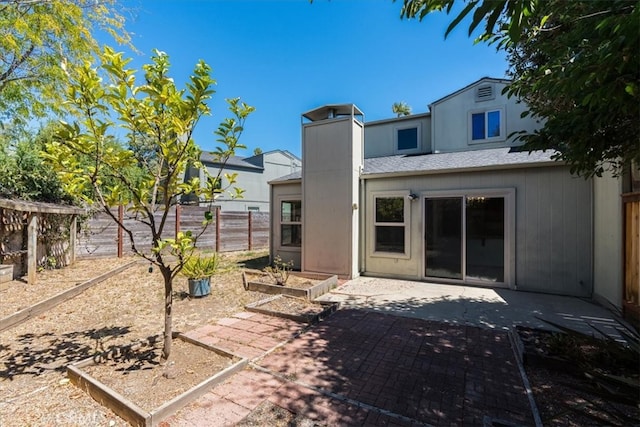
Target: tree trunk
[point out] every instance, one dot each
(168, 305)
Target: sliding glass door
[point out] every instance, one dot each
(466, 237)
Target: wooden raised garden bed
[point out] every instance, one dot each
(294, 308)
(124, 406)
(315, 286)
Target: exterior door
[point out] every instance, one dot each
(466, 238)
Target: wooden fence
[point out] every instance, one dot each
(631, 206)
(229, 231)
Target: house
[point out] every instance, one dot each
(447, 196)
(252, 175)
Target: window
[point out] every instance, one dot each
(390, 224)
(407, 139)
(291, 223)
(253, 208)
(487, 126)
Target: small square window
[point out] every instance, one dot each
(487, 126)
(408, 139)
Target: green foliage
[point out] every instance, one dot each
(279, 271)
(159, 120)
(39, 40)
(577, 66)
(401, 108)
(580, 75)
(23, 173)
(198, 266)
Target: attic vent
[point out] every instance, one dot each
(485, 93)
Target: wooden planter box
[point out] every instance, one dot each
(311, 293)
(134, 414)
(6, 273)
(259, 307)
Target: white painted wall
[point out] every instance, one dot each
(607, 241)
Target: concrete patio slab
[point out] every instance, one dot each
(493, 308)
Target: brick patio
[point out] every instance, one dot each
(364, 368)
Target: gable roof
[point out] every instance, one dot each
(469, 86)
(489, 159)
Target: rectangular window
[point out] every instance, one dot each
(291, 223)
(406, 138)
(390, 225)
(487, 126)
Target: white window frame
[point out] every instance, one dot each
(486, 111)
(406, 254)
(397, 128)
(280, 200)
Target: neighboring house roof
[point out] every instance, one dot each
(404, 165)
(255, 162)
(495, 158)
(233, 162)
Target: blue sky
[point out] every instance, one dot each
(290, 56)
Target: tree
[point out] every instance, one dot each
(575, 64)
(39, 39)
(401, 108)
(154, 111)
(23, 173)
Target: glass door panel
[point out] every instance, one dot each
(443, 229)
(484, 238)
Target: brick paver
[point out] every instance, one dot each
(364, 368)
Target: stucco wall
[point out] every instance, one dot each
(553, 226)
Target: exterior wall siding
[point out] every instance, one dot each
(608, 232)
(289, 191)
(553, 226)
(380, 137)
(330, 175)
(451, 120)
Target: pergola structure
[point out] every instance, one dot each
(34, 210)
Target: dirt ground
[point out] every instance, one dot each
(34, 389)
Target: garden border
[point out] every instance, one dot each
(134, 414)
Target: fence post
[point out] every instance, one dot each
(120, 233)
(32, 248)
(250, 229)
(217, 228)
(73, 231)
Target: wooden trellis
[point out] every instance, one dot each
(19, 229)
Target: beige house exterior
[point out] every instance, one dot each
(447, 196)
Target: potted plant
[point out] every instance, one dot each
(198, 270)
